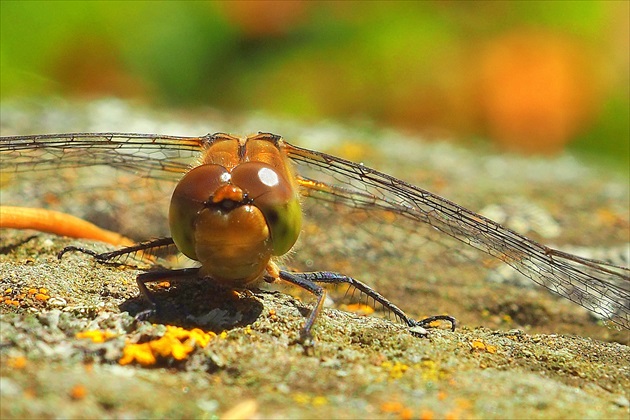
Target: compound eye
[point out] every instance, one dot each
(200, 183)
(189, 196)
(277, 200)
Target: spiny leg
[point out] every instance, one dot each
(107, 256)
(327, 277)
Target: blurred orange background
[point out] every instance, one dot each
(533, 77)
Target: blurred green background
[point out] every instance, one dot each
(525, 76)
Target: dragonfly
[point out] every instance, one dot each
(239, 203)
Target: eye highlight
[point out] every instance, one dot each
(268, 177)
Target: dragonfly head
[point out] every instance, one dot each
(234, 221)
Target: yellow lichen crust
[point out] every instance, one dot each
(176, 343)
(96, 336)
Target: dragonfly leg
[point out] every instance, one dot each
(327, 277)
(107, 256)
(299, 280)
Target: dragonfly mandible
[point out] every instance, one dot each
(267, 180)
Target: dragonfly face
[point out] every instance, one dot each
(237, 209)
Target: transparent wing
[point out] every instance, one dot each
(96, 176)
(161, 157)
(598, 286)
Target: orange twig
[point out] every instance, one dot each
(58, 223)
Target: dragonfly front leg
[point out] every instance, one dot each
(143, 247)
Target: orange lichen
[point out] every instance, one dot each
(396, 369)
(460, 411)
(358, 308)
(610, 218)
(96, 336)
(427, 415)
(18, 362)
(479, 345)
(177, 343)
(431, 371)
(398, 408)
(140, 353)
(78, 392)
(24, 296)
(391, 407)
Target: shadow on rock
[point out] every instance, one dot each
(198, 303)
